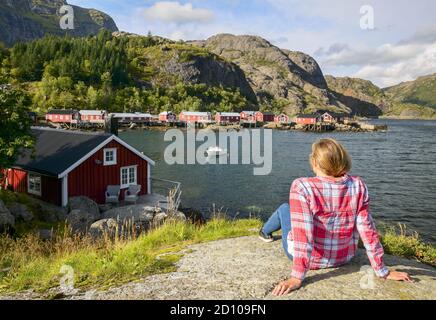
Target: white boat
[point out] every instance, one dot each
(215, 151)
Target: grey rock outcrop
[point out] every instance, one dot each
(85, 204)
(6, 218)
(80, 221)
(211, 70)
(45, 234)
(275, 73)
(21, 212)
(224, 270)
(104, 227)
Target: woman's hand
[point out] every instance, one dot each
(399, 276)
(287, 286)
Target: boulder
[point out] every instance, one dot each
(80, 221)
(6, 218)
(159, 218)
(85, 204)
(45, 234)
(105, 207)
(104, 227)
(21, 212)
(48, 212)
(137, 212)
(194, 216)
(178, 216)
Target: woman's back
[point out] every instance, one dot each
(327, 216)
(334, 204)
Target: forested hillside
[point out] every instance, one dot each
(117, 73)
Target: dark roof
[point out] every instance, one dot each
(308, 116)
(62, 111)
(57, 150)
(269, 114)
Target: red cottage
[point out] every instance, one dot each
(192, 117)
(269, 117)
(282, 118)
(331, 117)
(252, 116)
(137, 117)
(167, 117)
(63, 116)
(227, 117)
(307, 118)
(93, 116)
(70, 163)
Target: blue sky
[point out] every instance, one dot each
(400, 47)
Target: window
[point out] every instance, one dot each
(128, 176)
(110, 156)
(34, 184)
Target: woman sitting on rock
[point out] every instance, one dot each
(325, 216)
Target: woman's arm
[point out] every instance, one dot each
(368, 233)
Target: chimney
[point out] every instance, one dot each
(111, 125)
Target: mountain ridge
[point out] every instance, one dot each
(25, 20)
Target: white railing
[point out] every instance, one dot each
(171, 189)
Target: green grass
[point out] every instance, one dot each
(30, 263)
(399, 242)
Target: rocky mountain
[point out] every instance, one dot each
(24, 20)
(293, 80)
(194, 65)
(415, 99)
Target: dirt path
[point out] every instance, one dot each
(246, 268)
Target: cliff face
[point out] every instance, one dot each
(291, 77)
(24, 20)
(171, 62)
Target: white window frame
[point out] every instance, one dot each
(33, 191)
(129, 183)
(114, 161)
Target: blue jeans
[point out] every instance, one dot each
(280, 220)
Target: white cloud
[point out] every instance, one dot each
(386, 64)
(175, 12)
(423, 63)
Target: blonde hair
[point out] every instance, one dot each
(331, 157)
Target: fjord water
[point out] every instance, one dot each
(399, 167)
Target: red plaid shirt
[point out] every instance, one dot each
(327, 218)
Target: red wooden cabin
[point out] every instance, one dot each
(282, 118)
(331, 117)
(252, 116)
(63, 116)
(307, 118)
(137, 117)
(227, 117)
(191, 117)
(66, 164)
(93, 116)
(269, 117)
(167, 117)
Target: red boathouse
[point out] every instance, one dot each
(63, 116)
(66, 164)
(227, 117)
(308, 118)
